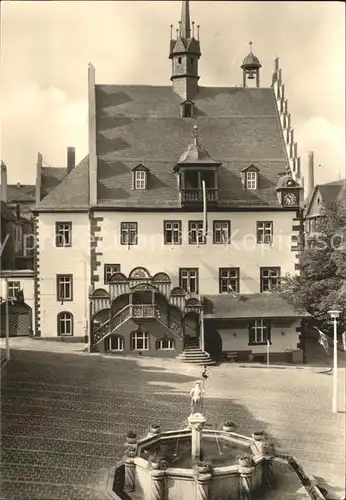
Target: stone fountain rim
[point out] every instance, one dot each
(188, 472)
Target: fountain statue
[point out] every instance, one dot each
(196, 420)
(196, 395)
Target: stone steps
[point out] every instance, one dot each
(195, 356)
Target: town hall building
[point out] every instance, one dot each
(171, 236)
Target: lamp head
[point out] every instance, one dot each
(334, 313)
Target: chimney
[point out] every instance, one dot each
(311, 174)
(71, 159)
(3, 182)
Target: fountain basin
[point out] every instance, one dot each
(161, 467)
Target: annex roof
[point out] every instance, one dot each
(256, 305)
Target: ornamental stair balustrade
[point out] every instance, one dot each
(196, 195)
(137, 311)
(111, 324)
(142, 311)
(173, 325)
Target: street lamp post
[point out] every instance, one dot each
(334, 314)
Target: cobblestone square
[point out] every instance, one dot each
(65, 416)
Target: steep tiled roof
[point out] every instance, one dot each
(72, 192)
(256, 305)
(142, 124)
(17, 193)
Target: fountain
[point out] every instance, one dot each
(200, 463)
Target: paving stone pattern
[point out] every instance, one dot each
(64, 417)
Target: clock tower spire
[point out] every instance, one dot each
(185, 53)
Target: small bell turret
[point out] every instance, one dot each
(251, 68)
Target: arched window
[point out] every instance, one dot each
(65, 323)
(116, 343)
(165, 344)
(139, 341)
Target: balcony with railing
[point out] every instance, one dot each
(195, 195)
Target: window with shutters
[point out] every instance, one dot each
(259, 332)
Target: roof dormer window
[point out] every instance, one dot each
(250, 177)
(187, 109)
(140, 178)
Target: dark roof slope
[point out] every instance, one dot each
(332, 191)
(256, 305)
(72, 192)
(5, 212)
(50, 178)
(142, 124)
(17, 193)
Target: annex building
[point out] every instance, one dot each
(171, 236)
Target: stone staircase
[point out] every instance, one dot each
(193, 354)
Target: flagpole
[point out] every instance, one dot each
(204, 210)
(8, 352)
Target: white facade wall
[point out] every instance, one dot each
(243, 252)
(150, 252)
(283, 339)
(66, 260)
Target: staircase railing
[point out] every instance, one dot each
(170, 323)
(118, 319)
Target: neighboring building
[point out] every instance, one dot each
(319, 196)
(18, 245)
(18, 197)
(123, 249)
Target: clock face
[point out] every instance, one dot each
(290, 199)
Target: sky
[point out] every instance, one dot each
(46, 47)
